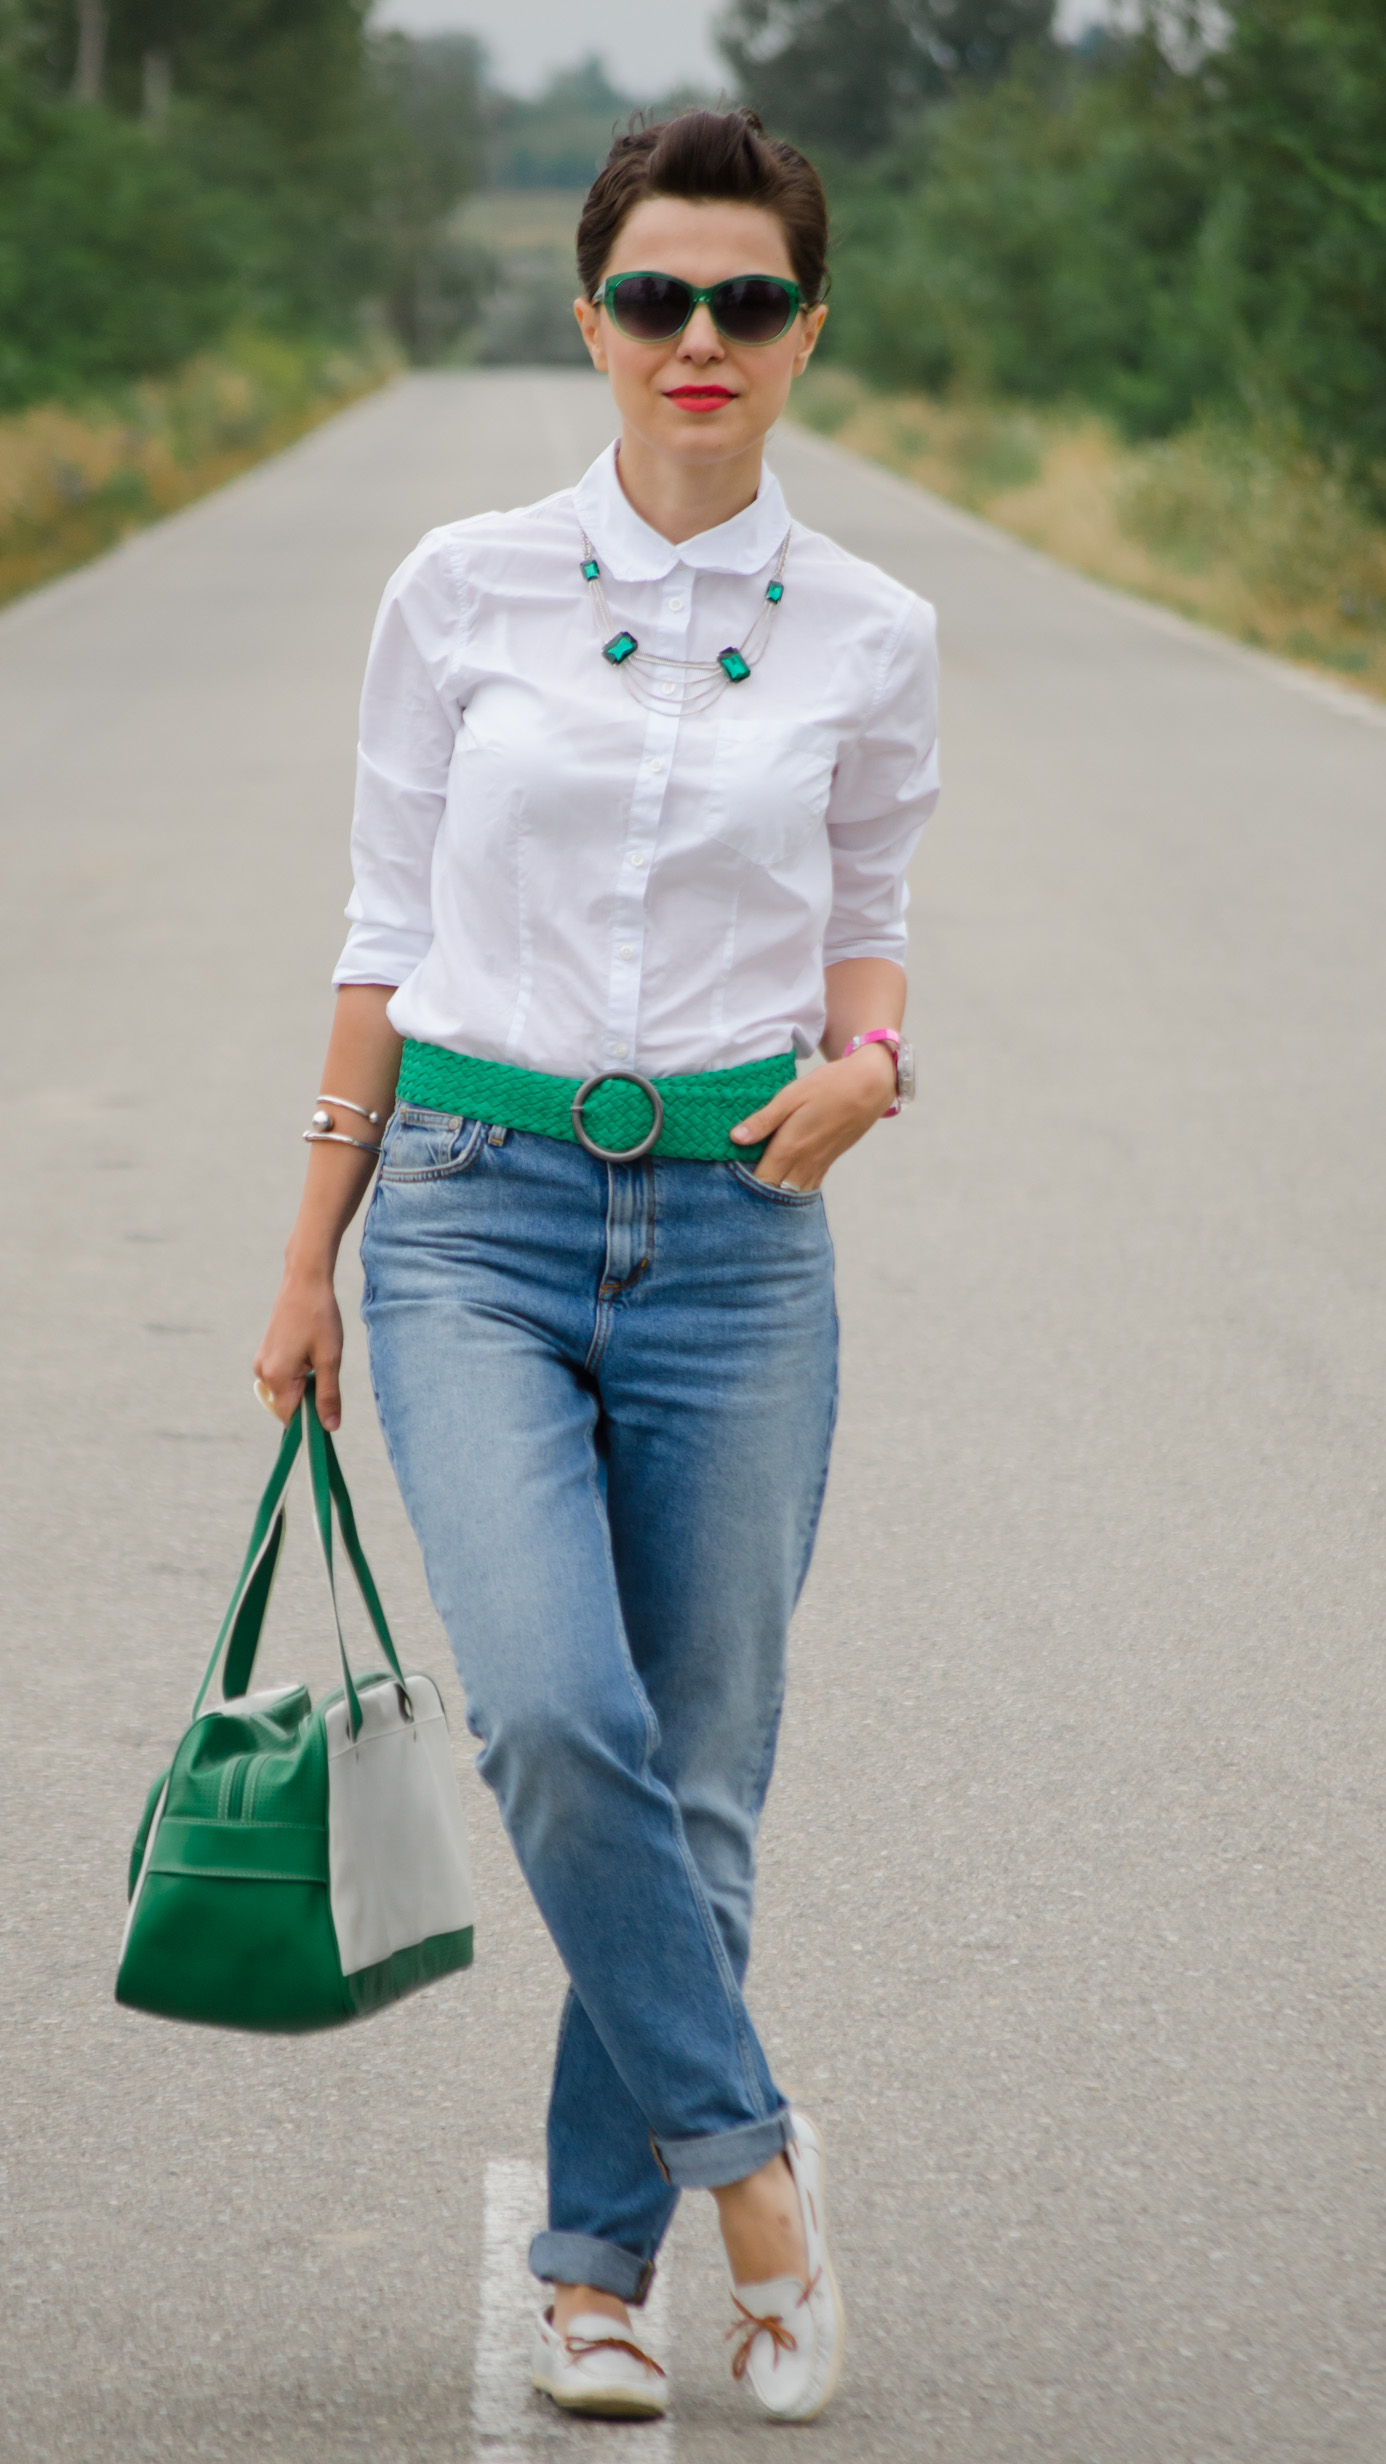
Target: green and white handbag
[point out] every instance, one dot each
(299, 1865)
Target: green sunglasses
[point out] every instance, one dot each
(750, 308)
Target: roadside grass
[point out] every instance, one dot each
(76, 478)
(1227, 527)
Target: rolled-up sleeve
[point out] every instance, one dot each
(885, 788)
(410, 713)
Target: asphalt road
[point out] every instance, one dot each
(1071, 1926)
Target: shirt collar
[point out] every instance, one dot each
(632, 552)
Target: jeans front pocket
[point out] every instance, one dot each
(428, 1146)
(766, 1190)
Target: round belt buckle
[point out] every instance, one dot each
(613, 1154)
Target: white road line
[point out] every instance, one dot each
(510, 2424)
(503, 2423)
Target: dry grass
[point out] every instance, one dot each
(75, 480)
(1217, 524)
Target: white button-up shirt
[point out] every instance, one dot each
(552, 874)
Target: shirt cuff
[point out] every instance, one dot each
(892, 943)
(381, 954)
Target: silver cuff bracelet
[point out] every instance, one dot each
(348, 1106)
(337, 1137)
(324, 1130)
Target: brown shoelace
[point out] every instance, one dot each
(578, 2347)
(748, 2327)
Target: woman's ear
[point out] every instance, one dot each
(589, 319)
(813, 327)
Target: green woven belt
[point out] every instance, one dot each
(700, 1110)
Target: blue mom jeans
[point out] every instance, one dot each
(608, 1394)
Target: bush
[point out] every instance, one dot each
(1049, 238)
(1226, 523)
(1161, 238)
(114, 258)
(297, 170)
(75, 478)
(1300, 97)
(1223, 493)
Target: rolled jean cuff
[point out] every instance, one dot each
(576, 2258)
(728, 2155)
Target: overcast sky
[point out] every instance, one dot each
(648, 45)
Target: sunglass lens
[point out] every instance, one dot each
(752, 308)
(650, 307)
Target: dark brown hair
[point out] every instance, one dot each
(706, 155)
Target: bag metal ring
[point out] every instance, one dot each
(610, 1154)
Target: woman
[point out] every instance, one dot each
(641, 769)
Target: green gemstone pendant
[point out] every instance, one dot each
(590, 569)
(733, 666)
(774, 593)
(620, 647)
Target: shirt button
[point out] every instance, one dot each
(655, 769)
(675, 605)
(667, 687)
(636, 858)
(626, 950)
(619, 1051)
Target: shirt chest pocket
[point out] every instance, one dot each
(772, 776)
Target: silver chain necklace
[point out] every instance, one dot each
(679, 684)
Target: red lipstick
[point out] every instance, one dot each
(700, 397)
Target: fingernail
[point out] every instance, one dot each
(741, 1133)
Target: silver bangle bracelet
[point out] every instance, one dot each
(348, 1106)
(323, 1128)
(336, 1137)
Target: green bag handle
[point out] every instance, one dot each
(329, 1489)
(264, 1538)
(239, 1637)
(239, 1662)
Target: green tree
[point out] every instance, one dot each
(843, 75)
(560, 139)
(296, 66)
(253, 160)
(279, 97)
(1299, 94)
(1157, 227)
(115, 258)
(265, 103)
(431, 132)
(1057, 233)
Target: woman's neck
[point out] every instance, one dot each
(680, 499)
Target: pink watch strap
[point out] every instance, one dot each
(879, 1035)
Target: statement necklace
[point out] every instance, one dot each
(681, 684)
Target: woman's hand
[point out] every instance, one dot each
(815, 1119)
(303, 1339)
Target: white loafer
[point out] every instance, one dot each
(792, 2332)
(597, 2369)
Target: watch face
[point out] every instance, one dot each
(904, 1072)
